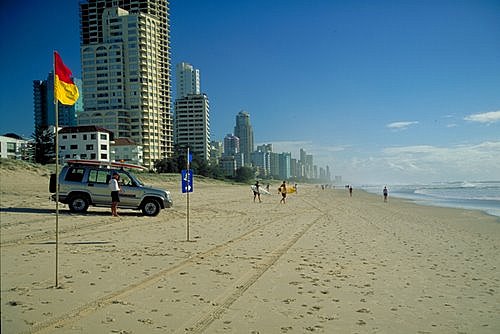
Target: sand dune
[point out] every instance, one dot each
(323, 262)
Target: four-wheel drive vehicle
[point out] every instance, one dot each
(85, 183)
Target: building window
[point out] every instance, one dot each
(65, 137)
(92, 156)
(104, 147)
(74, 147)
(103, 136)
(63, 147)
(84, 137)
(104, 156)
(73, 136)
(93, 136)
(90, 147)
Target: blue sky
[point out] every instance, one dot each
(381, 91)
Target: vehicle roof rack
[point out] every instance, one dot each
(107, 164)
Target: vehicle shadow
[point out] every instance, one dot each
(69, 213)
(27, 210)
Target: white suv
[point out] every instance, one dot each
(83, 184)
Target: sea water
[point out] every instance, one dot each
(478, 195)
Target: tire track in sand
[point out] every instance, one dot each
(224, 301)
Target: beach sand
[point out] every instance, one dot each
(323, 262)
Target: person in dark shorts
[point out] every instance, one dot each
(386, 193)
(115, 191)
(256, 191)
(282, 190)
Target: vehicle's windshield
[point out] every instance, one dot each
(136, 180)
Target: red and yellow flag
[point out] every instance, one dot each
(65, 90)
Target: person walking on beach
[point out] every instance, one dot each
(385, 192)
(350, 191)
(256, 191)
(115, 190)
(282, 190)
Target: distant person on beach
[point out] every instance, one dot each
(295, 187)
(350, 191)
(256, 191)
(115, 190)
(385, 192)
(267, 187)
(282, 190)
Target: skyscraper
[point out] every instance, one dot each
(192, 112)
(187, 80)
(192, 124)
(244, 131)
(125, 52)
(44, 108)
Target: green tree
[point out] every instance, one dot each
(44, 145)
(244, 174)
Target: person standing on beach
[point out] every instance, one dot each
(385, 192)
(115, 190)
(282, 190)
(350, 191)
(256, 191)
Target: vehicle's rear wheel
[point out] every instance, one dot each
(150, 207)
(78, 203)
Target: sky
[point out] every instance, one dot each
(383, 92)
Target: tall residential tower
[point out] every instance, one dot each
(125, 52)
(244, 131)
(192, 112)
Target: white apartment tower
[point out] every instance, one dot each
(125, 52)
(192, 112)
(188, 80)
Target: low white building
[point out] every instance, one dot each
(85, 142)
(126, 150)
(14, 147)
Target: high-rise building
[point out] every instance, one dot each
(125, 52)
(231, 145)
(44, 107)
(187, 80)
(192, 124)
(192, 112)
(244, 131)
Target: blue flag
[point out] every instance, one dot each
(190, 157)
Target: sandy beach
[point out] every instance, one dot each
(323, 262)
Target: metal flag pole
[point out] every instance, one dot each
(187, 195)
(56, 141)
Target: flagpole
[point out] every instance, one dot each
(187, 194)
(56, 105)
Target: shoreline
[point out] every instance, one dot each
(485, 206)
(323, 262)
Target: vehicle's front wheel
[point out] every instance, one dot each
(150, 207)
(78, 203)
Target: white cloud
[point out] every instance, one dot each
(421, 164)
(403, 164)
(400, 125)
(487, 117)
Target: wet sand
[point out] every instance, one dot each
(323, 262)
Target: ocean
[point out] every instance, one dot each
(480, 195)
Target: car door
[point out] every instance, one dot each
(98, 186)
(131, 194)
